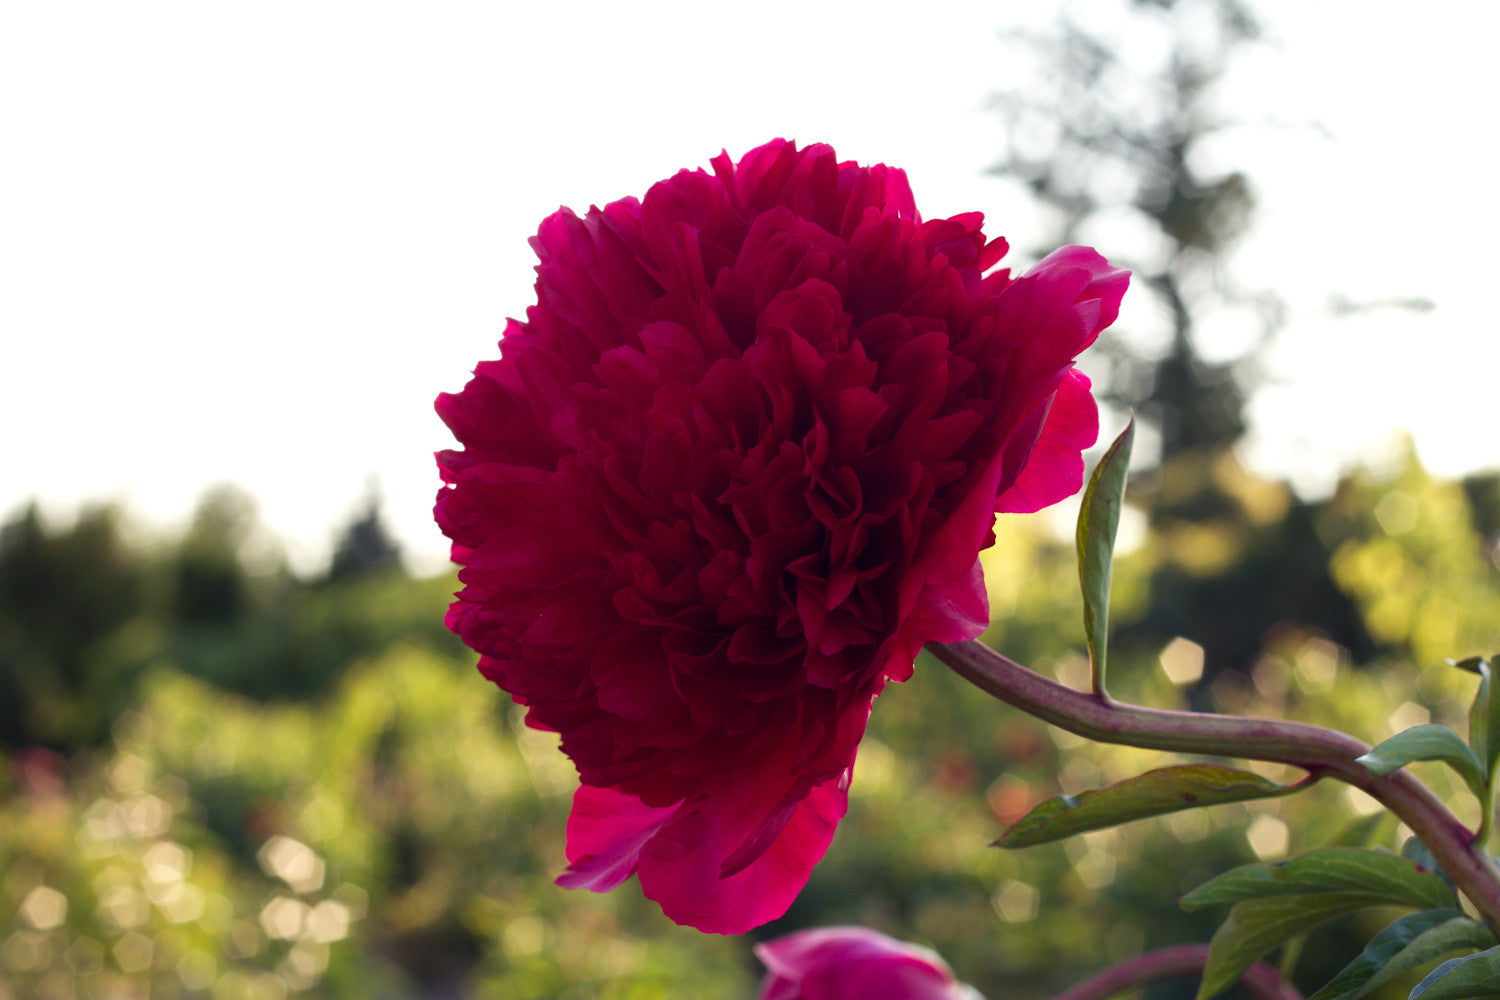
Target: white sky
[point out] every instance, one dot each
(251, 242)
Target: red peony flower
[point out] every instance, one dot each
(730, 475)
(855, 963)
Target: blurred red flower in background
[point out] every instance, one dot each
(730, 475)
(854, 963)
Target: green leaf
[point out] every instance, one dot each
(1361, 831)
(1469, 978)
(1256, 926)
(1377, 876)
(1415, 850)
(1413, 940)
(1098, 520)
(1484, 717)
(1164, 790)
(1484, 736)
(1429, 742)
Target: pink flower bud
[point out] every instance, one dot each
(855, 963)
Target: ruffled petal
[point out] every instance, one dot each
(1103, 287)
(1055, 469)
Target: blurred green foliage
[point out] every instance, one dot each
(218, 779)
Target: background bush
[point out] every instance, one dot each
(222, 780)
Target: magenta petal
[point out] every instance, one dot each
(606, 831)
(1106, 284)
(1055, 469)
(680, 867)
(958, 609)
(853, 963)
(949, 611)
(904, 978)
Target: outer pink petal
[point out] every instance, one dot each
(606, 831)
(679, 867)
(1055, 469)
(1105, 284)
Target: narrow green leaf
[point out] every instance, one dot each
(1256, 926)
(1098, 521)
(1428, 742)
(1164, 790)
(1484, 716)
(1375, 875)
(1484, 736)
(1472, 977)
(1413, 940)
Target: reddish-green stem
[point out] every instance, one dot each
(1320, 751)
(1260, 980)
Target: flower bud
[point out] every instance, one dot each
(855, 963)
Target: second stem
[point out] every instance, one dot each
(1318, 750)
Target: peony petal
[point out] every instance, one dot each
(606, 832)
(954, 610)
(1055, 469)
(680, 867)
(1105, 284)
(901, 977)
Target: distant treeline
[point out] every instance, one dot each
(83, 612)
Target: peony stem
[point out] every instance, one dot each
(1260, 980)
(1320, 751)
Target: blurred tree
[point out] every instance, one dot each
(65, 594)
(1111, 132)
(1483, 492)
(210, 585)
(82, 613)
(1417, 554)
(365, 546)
